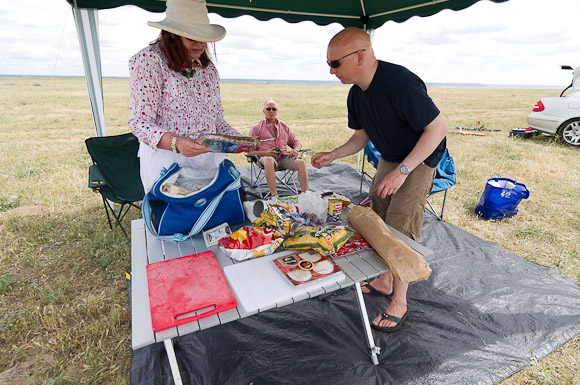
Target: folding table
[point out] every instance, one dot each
(146, 249)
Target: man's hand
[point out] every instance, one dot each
(189, 147)
(272, 152)
(391, 183)
(294, 153)
(322, 159)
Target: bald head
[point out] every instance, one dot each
(351, 38)
(351, 57)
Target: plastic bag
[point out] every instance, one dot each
(313, 208)
(500, 198)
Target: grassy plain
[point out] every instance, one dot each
(63, 300)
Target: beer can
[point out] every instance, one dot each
(334, 211)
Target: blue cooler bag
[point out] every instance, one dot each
(500, 198)
(183, 201)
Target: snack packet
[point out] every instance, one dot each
(250, 242)
(354, 243)
(228, 143)
(282, 217)
(325, 240)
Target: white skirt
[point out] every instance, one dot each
(152, 162)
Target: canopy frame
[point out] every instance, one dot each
(87, 24)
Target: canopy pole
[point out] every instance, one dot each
(361, 153)
(87, 25)
(371, 33)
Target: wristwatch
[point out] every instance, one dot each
(404, 169)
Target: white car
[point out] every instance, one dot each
(559, 116)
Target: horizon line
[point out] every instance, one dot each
(321, 82)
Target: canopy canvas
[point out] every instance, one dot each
(365, 14)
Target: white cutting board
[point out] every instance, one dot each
(259, 284)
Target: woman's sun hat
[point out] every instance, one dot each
(188, 18)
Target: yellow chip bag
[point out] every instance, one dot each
(325, 240)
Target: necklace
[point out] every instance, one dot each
(189, 70)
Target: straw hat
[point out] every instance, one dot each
(188, 18)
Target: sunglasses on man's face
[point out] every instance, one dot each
(271, 109)
(336, 63)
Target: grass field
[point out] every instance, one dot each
(63, 298)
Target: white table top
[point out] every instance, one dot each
(147, 249)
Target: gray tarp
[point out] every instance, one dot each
(480, 317)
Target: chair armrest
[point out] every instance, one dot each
(301, 152)
(252, 158)
(96, 179)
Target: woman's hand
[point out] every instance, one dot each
(189, 147)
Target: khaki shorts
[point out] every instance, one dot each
(403, 210)
(286, 163)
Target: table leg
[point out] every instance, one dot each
(366, 325)
(173, 362)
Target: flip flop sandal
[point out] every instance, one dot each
(388, 317)
(372, 290)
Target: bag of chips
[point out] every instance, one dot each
(325, 240)
(282, 217)
(250, 242)
(228, 143)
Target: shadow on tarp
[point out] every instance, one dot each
(480, 317)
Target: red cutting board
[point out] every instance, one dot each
(185, 285)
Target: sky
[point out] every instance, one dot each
(519, 42)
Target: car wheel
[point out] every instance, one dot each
(570, 132)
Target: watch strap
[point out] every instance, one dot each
(174, 145)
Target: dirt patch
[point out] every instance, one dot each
(22, 372)
(23, 211)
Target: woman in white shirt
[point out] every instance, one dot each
(175, 93)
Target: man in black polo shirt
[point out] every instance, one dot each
(389, 106)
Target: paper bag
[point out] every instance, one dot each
(405, 263)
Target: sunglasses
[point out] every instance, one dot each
(336, 63)
(271, 109)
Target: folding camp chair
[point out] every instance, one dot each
(372, 155)
(115, 174)
(284, 177)
(445, 177)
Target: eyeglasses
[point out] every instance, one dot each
(336, 63)
(271, 109)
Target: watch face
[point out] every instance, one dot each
(404, 169)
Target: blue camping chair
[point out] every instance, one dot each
(372, 155)
(445, 177)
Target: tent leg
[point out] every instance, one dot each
(173, 362)
(374, 350)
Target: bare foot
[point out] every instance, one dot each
(396, 309)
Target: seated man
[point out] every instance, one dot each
(273, 155)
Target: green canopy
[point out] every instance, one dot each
(366, 14)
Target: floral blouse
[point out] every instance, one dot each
(163, 100)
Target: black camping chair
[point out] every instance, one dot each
(284, 177)
(115, 174)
